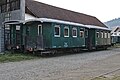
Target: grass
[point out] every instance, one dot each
(117, 45)
(13, 57)
(107, 78)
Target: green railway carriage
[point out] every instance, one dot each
(115, 40)
(47, 28)
(98, 38)
(42, 36)
(52, 35)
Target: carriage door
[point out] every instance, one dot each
(91, 39)
(7, 36)
(18, 36)
(86, 38)
(40, 37)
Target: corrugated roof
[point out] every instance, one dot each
(42, 10)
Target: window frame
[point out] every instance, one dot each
(0, 9)
(73, 33)
(105, 34)
(39, 29)
(67, 33)
(102, 34)
(83, 31)
(86, 33)
(98, 34)
(108, 34)
(57, 26)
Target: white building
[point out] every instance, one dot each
(115, 34)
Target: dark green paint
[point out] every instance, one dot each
(67, 42)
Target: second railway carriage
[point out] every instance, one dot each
(98, 38)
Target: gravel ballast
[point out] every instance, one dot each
(68, 67)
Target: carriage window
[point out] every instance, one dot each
(97, 34)
(0, 9)
(86, 33)
(81, 33)
(66, 32)
(39, 30)
(108, 35)
(74, 32)
(105, 35)
(28, 30)
(57, 31)
(101, 34)
(17, 27)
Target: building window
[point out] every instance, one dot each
(10, 5)
(82, 33)
(57, 31)
(7, 16)
(74, 32)
(15, 5)
(3, 8)
(97, 33)
(115, 33)
(66, 32)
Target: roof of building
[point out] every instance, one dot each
(42, 10)
(116, 29)
(29, 18)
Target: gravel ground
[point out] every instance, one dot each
(83, 66)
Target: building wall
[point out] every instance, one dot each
(14, 15)
(115, 34)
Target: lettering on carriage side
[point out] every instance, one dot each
(65, 44)
(83, 45)
(96, 42)
(54, 46)
(59, 46)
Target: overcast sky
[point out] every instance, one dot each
(104, 10)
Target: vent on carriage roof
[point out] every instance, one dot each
(42, 10)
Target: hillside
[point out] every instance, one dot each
(113, 23)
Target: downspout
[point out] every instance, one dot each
(22, 9)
